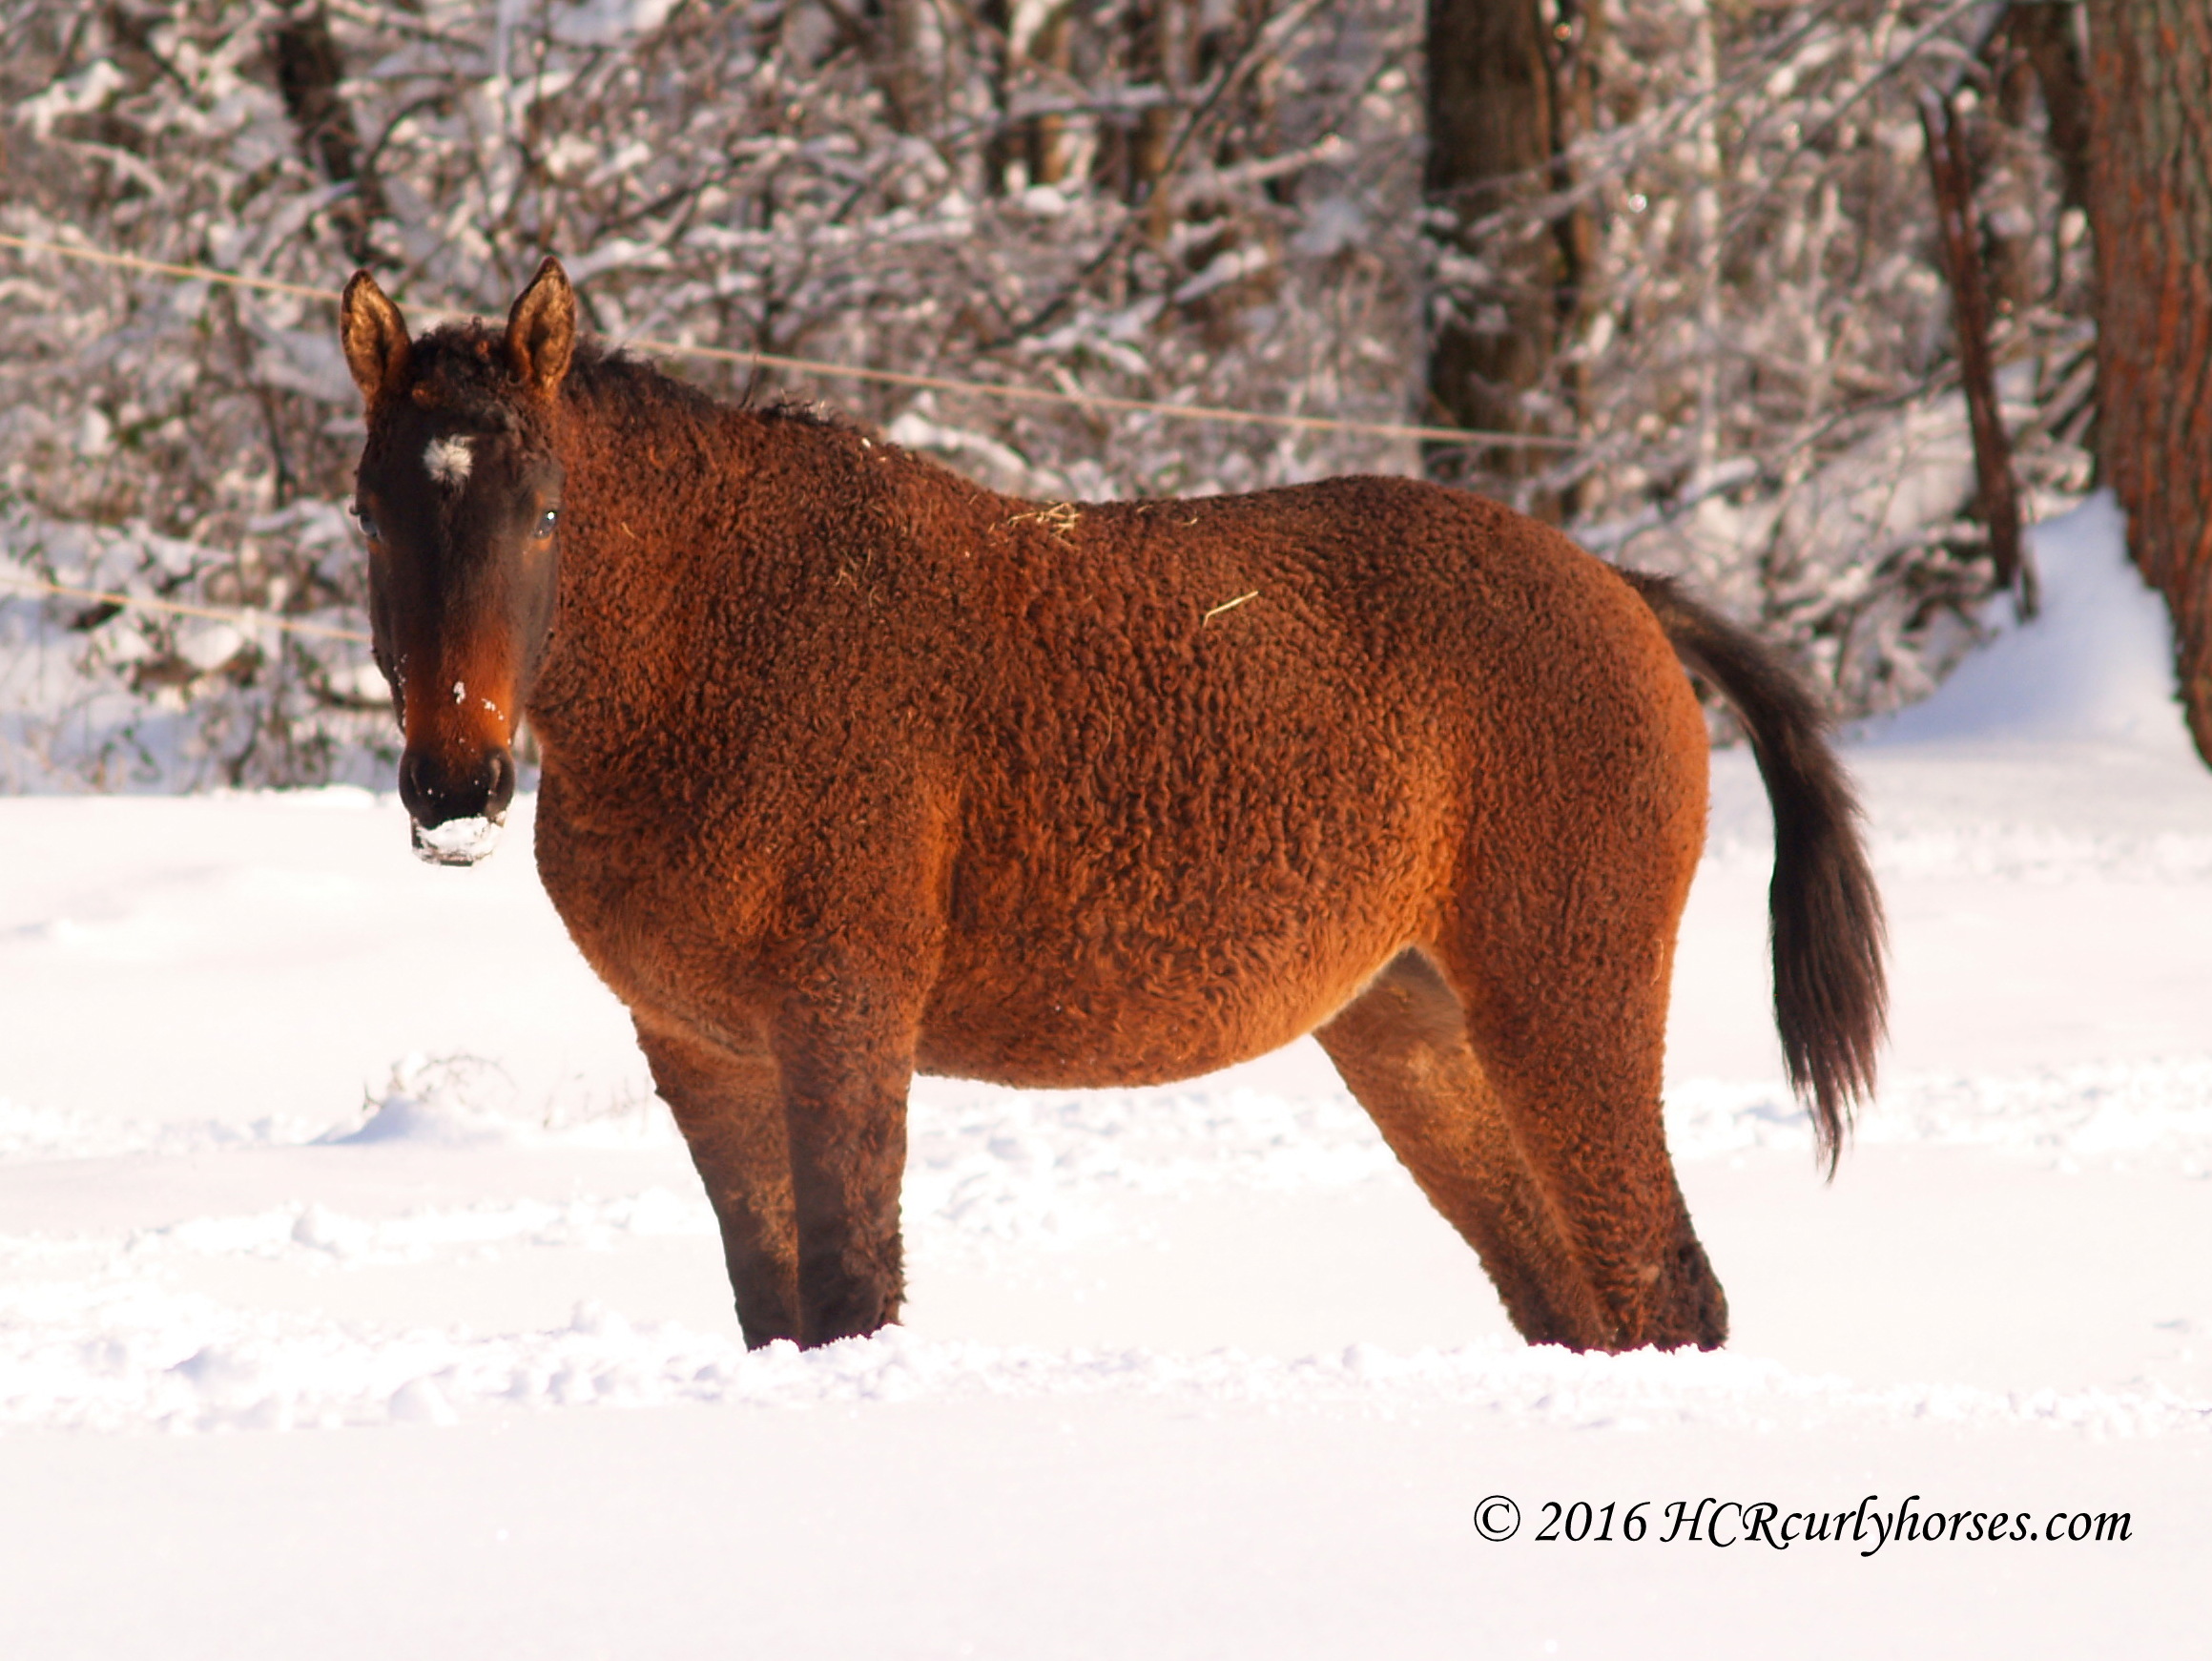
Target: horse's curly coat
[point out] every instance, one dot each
(852, 768)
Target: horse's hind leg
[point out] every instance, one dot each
(730, 1106)
(1402, 1048)
(1566, 1006)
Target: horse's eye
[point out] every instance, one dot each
(546, 523)
(368, 524)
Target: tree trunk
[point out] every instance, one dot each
(2150, 199)
(904, 69)
(2033, 59)
(1003, 149)
(1949, 171)
(893, 38)
(1051, 48)
(1029, 148)
(2044, 34)
(308, 71)
(1497, 123)
(1133, 150)
(1572, 48)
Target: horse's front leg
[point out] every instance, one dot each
(726, 1096)
(845, 1078)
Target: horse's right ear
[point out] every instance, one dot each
(375, 337)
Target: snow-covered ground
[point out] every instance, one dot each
(356, 1298)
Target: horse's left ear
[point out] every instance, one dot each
(541, 330)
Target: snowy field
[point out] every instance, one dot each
(357, 1298)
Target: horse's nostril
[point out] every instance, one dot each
(436, 794)
(498, 783)
(416, 790)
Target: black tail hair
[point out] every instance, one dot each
(1831, 994)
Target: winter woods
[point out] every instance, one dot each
(1702, 302)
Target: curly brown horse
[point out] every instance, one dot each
(852, 768)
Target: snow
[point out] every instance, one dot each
(356, 1298)
(2098, 667)
(458, 842)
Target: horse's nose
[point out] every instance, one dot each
(437, 793)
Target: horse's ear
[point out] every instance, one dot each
(375, 337)
(540, 331)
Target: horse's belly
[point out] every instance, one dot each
(1144, 953)
(1060, 1020)
(1092, 1048)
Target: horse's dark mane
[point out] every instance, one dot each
(461, 370)
(602, 372)
(465, 370)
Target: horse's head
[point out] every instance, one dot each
(459, 494)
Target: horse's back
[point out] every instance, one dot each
(1312, 668)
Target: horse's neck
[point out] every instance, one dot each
(680, 518)
(646, 500)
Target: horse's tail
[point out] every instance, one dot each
(1830, 997)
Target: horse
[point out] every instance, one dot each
(852, 769)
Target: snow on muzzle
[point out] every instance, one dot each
(458, 842)
(457, 798)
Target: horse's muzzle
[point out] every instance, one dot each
(456, 811)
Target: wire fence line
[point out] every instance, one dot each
(253, 616)
(248, 616)
(859, 372)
